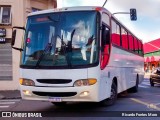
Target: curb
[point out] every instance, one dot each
(4, 98)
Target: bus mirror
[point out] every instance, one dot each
(13, 37)
(14, 32)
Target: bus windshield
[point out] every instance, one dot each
(63, 39)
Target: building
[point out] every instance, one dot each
(14, 13)
(152, 54)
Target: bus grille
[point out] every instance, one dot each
(55, 94)
(54, 81)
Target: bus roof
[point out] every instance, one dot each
(65, 9)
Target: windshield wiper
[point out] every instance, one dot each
(64, 49)
(67, 49)
(47, 49)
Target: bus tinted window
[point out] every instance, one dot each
(136, 45)
(115, 33)
(140, 47)
(124, 39)
(131, 45)
(106, 18)
(105, 36)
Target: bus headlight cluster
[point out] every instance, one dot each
(26, 82)
(85, 82)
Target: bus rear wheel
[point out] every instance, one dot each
(112, 99)
(135, 88)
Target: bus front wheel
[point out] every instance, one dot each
(112, 99)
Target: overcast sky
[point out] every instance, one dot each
(147, 26)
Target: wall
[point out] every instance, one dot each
(19, 10)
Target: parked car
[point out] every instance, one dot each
(155, 77)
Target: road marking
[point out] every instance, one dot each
(3, 103)
(10, 100)
(149, 105)
(145, 83)
(4, 106)
(143, 86)
(157, 104)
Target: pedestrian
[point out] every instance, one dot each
(153, 67)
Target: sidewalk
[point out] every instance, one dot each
(147, 75)
(10, 94)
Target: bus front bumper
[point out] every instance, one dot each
(60, 94)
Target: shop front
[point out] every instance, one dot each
(151, 55)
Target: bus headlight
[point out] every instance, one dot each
(85, 82)
(26, 82)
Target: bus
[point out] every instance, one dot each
(78, 54)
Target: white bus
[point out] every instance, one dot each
(79, 54)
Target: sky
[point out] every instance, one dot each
(147, 26)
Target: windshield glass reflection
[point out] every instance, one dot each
(61, 39)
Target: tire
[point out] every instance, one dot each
(112, 99)
(59, 104)
(151, 83)
(135, 88)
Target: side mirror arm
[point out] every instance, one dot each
(23, 28)
(20, 49)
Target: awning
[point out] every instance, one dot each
(152, 59)
(152, 46)
(147, 59)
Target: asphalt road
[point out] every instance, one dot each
(146, 100)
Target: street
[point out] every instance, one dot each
(147, 99)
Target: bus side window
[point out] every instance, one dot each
(115, 33)
(140, 47)
(105, 37)
(124, 38)
(131, 42)
(136, 45)
(105, 46)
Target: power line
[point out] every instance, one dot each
(104, 3)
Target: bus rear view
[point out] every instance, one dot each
(65, 59)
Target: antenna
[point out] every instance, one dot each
(104, 3)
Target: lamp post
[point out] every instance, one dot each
(133, 14)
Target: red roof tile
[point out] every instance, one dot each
(152, 46)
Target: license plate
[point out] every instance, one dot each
(53, 99)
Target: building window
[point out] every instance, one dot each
(5, 15)
(35, 9)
